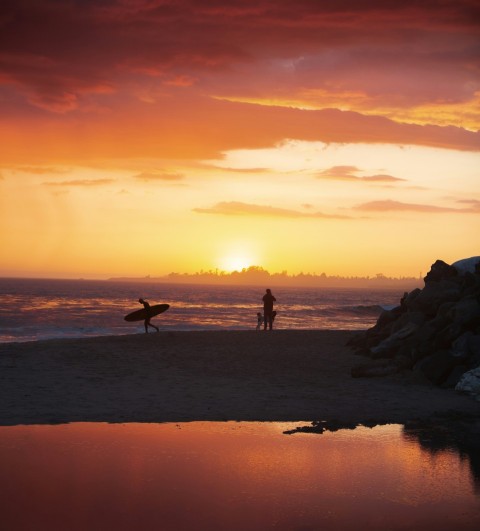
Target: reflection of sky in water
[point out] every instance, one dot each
(232, 476)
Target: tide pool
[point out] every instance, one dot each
(229, 476)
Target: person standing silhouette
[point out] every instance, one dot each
(268, 300)
(147, 322)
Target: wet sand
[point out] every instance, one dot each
(225, 375)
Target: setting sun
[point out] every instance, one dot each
(235, 262)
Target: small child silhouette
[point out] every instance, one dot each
(259, 320)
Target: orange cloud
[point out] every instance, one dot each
(237, 208)
(188, 128)
(146, 176)
(347, 173)
(40, 170)
(474, 204)
(80, 182)
(241, 170)
(389, 205)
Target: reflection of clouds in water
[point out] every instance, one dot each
(442, 439)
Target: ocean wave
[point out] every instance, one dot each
(39, 309)
(368, 309)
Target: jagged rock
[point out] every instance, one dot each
(455, 376)
(471, 285)
(434, 294)
(461, 346)
(474, 349)
(388, 317)
(435, 330)
(440, 270)
(409, 300)
(437, 367)
(470, 383)
(446, 337)
(466, 312)
(406, 352)
(444, 309)
(395, 339)
(417, 318)
(426, 338)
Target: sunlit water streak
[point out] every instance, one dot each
(41, 309)
(236, 476)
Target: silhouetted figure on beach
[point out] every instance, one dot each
(147, 322)
(259, 320)
(268, 317)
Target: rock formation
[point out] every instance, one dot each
(435, 331)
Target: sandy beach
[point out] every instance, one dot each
(222, 375)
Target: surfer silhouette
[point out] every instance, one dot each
(147, 322)
(268, 317)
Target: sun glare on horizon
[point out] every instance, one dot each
(236, 262)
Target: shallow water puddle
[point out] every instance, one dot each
(229, 476)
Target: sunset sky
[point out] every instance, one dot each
(140, 137)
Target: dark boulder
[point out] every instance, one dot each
(466, 312)
(474, 351)
(409, 299)
(437, 367)
(461, 347)
(434, 295)
(387, 347)
(470, 383)
(417, 318)
(455, 376)
(440, 270)
(387, 318)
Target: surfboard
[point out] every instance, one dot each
(141, 315)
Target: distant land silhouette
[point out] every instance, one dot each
(256, 275)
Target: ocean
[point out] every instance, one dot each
(36, 309)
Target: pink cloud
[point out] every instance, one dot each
(180, 81)
(81, 46)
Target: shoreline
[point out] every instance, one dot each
(283, 375)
